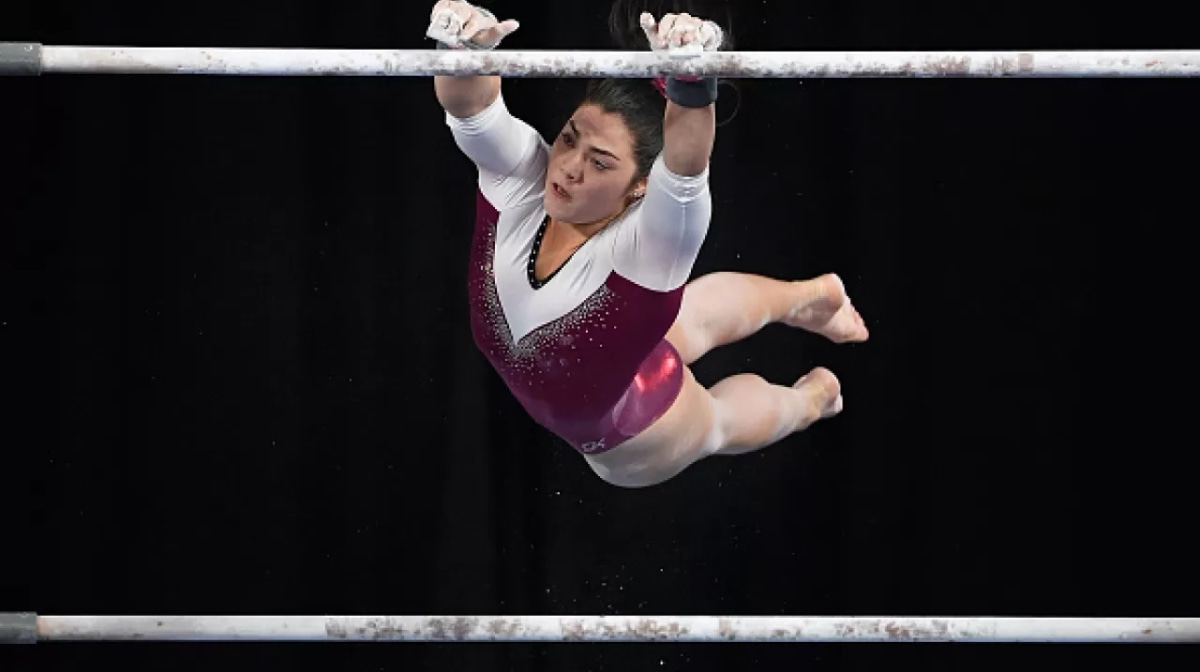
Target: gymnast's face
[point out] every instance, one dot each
(591, 168)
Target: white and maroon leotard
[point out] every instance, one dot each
(584, 354)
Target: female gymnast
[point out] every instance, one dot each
(578, 282)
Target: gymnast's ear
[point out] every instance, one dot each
(637, 191)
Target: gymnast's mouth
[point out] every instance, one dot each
(560, 192)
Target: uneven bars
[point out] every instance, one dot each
(30, 628)
(29, 58)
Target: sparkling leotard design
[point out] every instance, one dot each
(584, 354)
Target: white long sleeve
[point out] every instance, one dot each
(510, 154)
(658, 242)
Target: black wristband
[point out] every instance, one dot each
(698, 93)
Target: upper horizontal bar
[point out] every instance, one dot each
(613, 629)
(581, 64)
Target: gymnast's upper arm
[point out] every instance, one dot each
(509, 153)
(658, 245)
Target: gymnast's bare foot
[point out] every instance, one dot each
(825, 309)
(823, 389)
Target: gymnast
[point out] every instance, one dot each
(582, 249)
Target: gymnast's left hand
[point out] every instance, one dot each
(681, 33)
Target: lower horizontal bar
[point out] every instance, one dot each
(612, 629)
(579, 64)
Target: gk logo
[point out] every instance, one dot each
(593, 446)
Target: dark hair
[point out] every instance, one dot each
(638, 101)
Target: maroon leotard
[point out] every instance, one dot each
(584, 354)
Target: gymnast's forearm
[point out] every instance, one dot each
(466, 96)
(688, 137)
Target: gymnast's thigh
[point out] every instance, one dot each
(686, 433)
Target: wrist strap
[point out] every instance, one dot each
(692, 93)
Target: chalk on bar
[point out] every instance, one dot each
(20, 628)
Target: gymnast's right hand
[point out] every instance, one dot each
(461, 25)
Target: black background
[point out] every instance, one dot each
(240, 380)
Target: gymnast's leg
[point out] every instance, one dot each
(742, 413)
(738, 415)
(721, 308)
